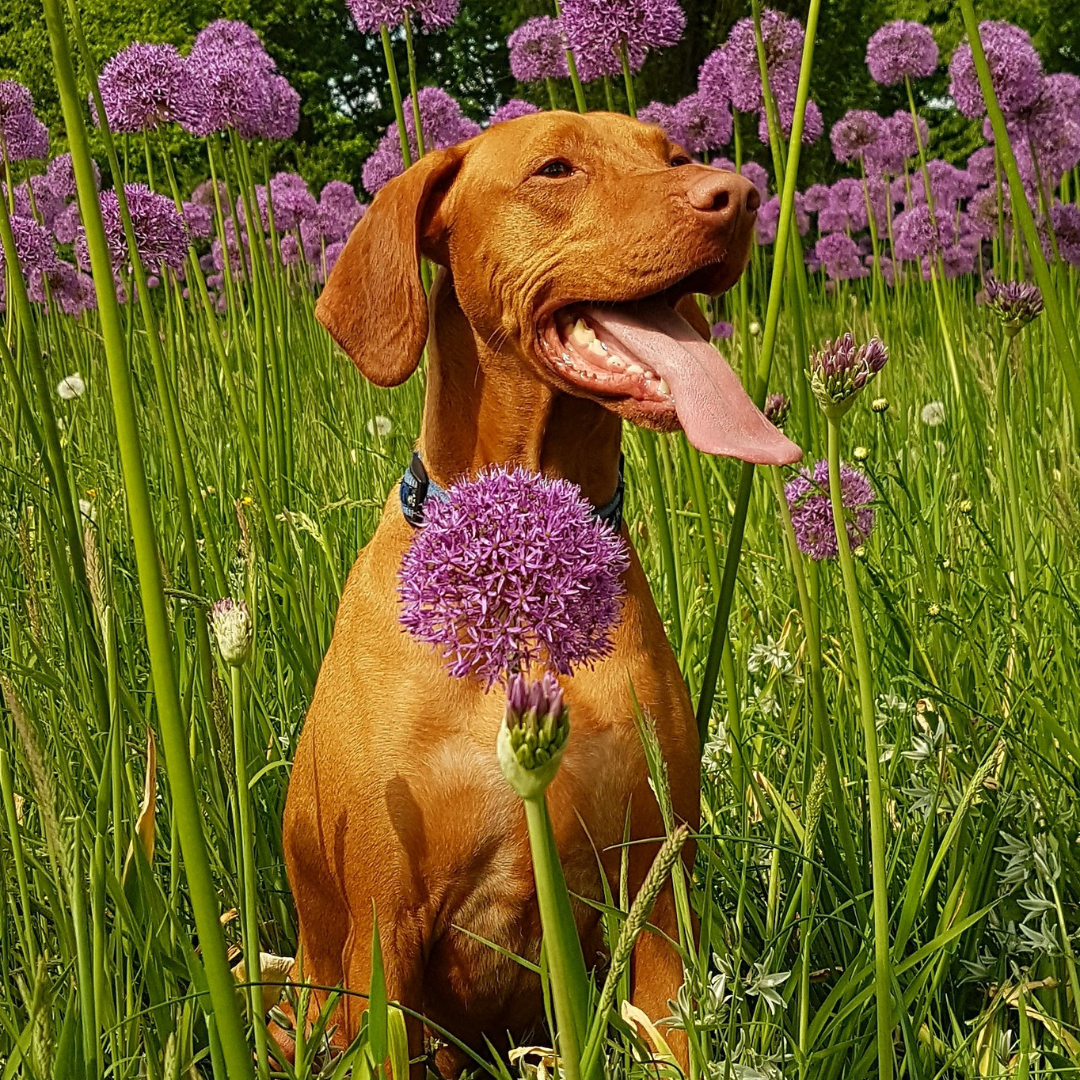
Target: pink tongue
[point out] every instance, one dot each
(715, 411)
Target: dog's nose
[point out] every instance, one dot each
(723, 194)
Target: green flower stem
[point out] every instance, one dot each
(395, 93)
(761, 385)
(552, 98)
(1005, 443)
(575, 79)
(413, 91)
(245, 840)
(822, 731)
(628, 78)
(878, 852)
(1022, 212)
(609, 93)
(562, 947)
(165, 392)
(187, 812)
(25, 928)
(663, 532)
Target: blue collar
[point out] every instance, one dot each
(417, 487)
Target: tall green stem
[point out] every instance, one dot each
(413, 89)
(155, 613)
(628, 78)
(878, 853)
(772, 317)
(395, 93)
(575, 79)
(1005, 446)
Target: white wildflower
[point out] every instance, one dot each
(71, 386)
(379, 427)
(933, 414)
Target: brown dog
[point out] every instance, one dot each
(396, 803)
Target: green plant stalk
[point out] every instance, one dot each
(878, 850)
(822, 730)
(575, 79)
(395, 94)
(566, 964)
(76, 881)
(552, 98)
(1005, 442)
(413, 90)
(663, 530)
(155, 612)
(760, 389)
(25, 927)
(935, 282)
(628, 79)
(1022, 212)
(245, 840)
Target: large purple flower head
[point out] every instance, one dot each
(513, 569)
(714, 79)
(160, 232)
(846, 208)
(61, 176)
(757, 176)
(199, 220)
(204, 194)
(598, 29)
(370, 15)
(538, 50)
(1015, 303)
(900, 50)
(339, 210)
(26, 138)
(839, 254)
(914, 234)
(145, 86)
(813, 122)
(811, 510)
(1065, 218)
(66, 287)
(444, 125)
(291, 200)
(34, 248)
(701, 122)
(232, 74)
(856, 134)
(663, 116)
(15, 100)
(980, 166)
(282, 115)
(782, 37)
(1015, 70)
(512, 110)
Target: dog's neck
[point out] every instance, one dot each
(485, 405)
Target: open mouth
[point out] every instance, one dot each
(644, 356)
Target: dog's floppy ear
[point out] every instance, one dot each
(373, 303)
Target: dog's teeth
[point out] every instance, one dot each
(635, 369)
(664, 388)
(566, 358)
(582, 334)
(597, 349)
(616, 363)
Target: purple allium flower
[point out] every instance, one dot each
(1015, 303)
(768, 220)
(538, 50)
(900, 50)
(958, 260)
(144, 86)
(512, 109)
(782, 37)
(48, 204)
(839, 254)
(663, 116)
(199, 220)
(914, 234)
(777, 408)
(1065, 219)
(370, 15)
(15, 99)
(813, 122)
(816, 197)
(291, 252)
(598, 29)
(722, 331)
(282, 115)
(846, 208)
(34, 248)
(331, 255)
(339, 210)
(1015, 70)
(61, 176)
(757, 176)
(701, 122)
(160, 232)
(291, 201)
(855, 134)
(510, 570)
(65, 286)
(840, 369)
(982, 211)
(68, 225)
(203, 195)
(980, 165)
(444, 125)
(26, 138)
(811, 510)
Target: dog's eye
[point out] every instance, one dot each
(556, 170)
(679, 159)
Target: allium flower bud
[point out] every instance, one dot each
(777, 408)
(880, 404)
(840, 369)
(534, 732)
(232, 628)
(861, 453)
(1015, 303)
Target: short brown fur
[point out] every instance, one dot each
(396, 802)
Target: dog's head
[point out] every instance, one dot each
(575, 243)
